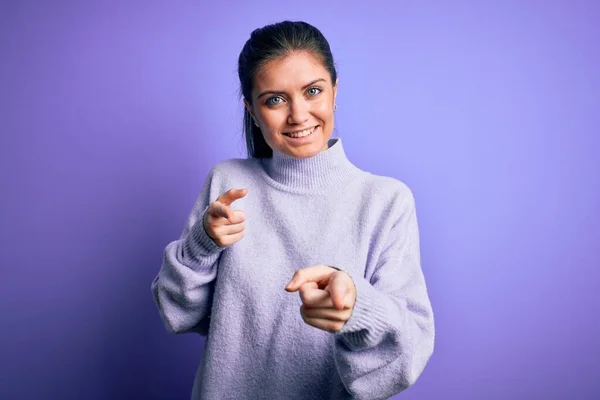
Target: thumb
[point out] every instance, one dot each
(337, 289)
(219, 209)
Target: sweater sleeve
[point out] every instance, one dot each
(183, 289)
(384, 346)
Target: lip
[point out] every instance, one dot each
(300, 130)
(305, 139)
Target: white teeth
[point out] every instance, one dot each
(303, 133)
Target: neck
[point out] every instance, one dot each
(326, 169)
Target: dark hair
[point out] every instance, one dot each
(268, 43)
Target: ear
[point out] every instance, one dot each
(249, 108)
(335, 88)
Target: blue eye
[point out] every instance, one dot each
(276, 100)
(270, 102)
(314, 89)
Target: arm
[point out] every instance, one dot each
(183, 289)
(384, 346)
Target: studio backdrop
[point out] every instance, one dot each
(112, 113)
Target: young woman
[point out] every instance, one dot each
(302, 271)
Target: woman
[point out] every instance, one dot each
(354, 320)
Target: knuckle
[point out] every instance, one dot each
(303, 294)
(239, 215)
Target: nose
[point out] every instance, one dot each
(299, 112)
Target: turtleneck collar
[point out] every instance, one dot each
(327, 169)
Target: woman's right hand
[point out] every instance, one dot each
(224, 225)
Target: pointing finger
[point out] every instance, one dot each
(317, 273)
(232, 195)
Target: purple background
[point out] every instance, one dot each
(111, 116)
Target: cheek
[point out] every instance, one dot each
(323, 110)
(272, 119)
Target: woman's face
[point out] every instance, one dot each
(294, 95)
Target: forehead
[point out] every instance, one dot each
(290, 72)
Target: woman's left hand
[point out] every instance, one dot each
(328, 296)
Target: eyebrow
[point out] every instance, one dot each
(279, 92)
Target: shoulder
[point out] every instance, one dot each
(233, 168)
(389, 187)
(389, 192)
(228, 174)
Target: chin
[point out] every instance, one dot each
(306, 152)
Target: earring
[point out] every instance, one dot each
(255, 123)
(334, 107)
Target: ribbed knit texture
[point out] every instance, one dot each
(299, 213)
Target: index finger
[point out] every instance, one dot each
(232, 195)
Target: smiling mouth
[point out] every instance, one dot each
(301, 134)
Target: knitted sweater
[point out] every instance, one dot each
(301, 212)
